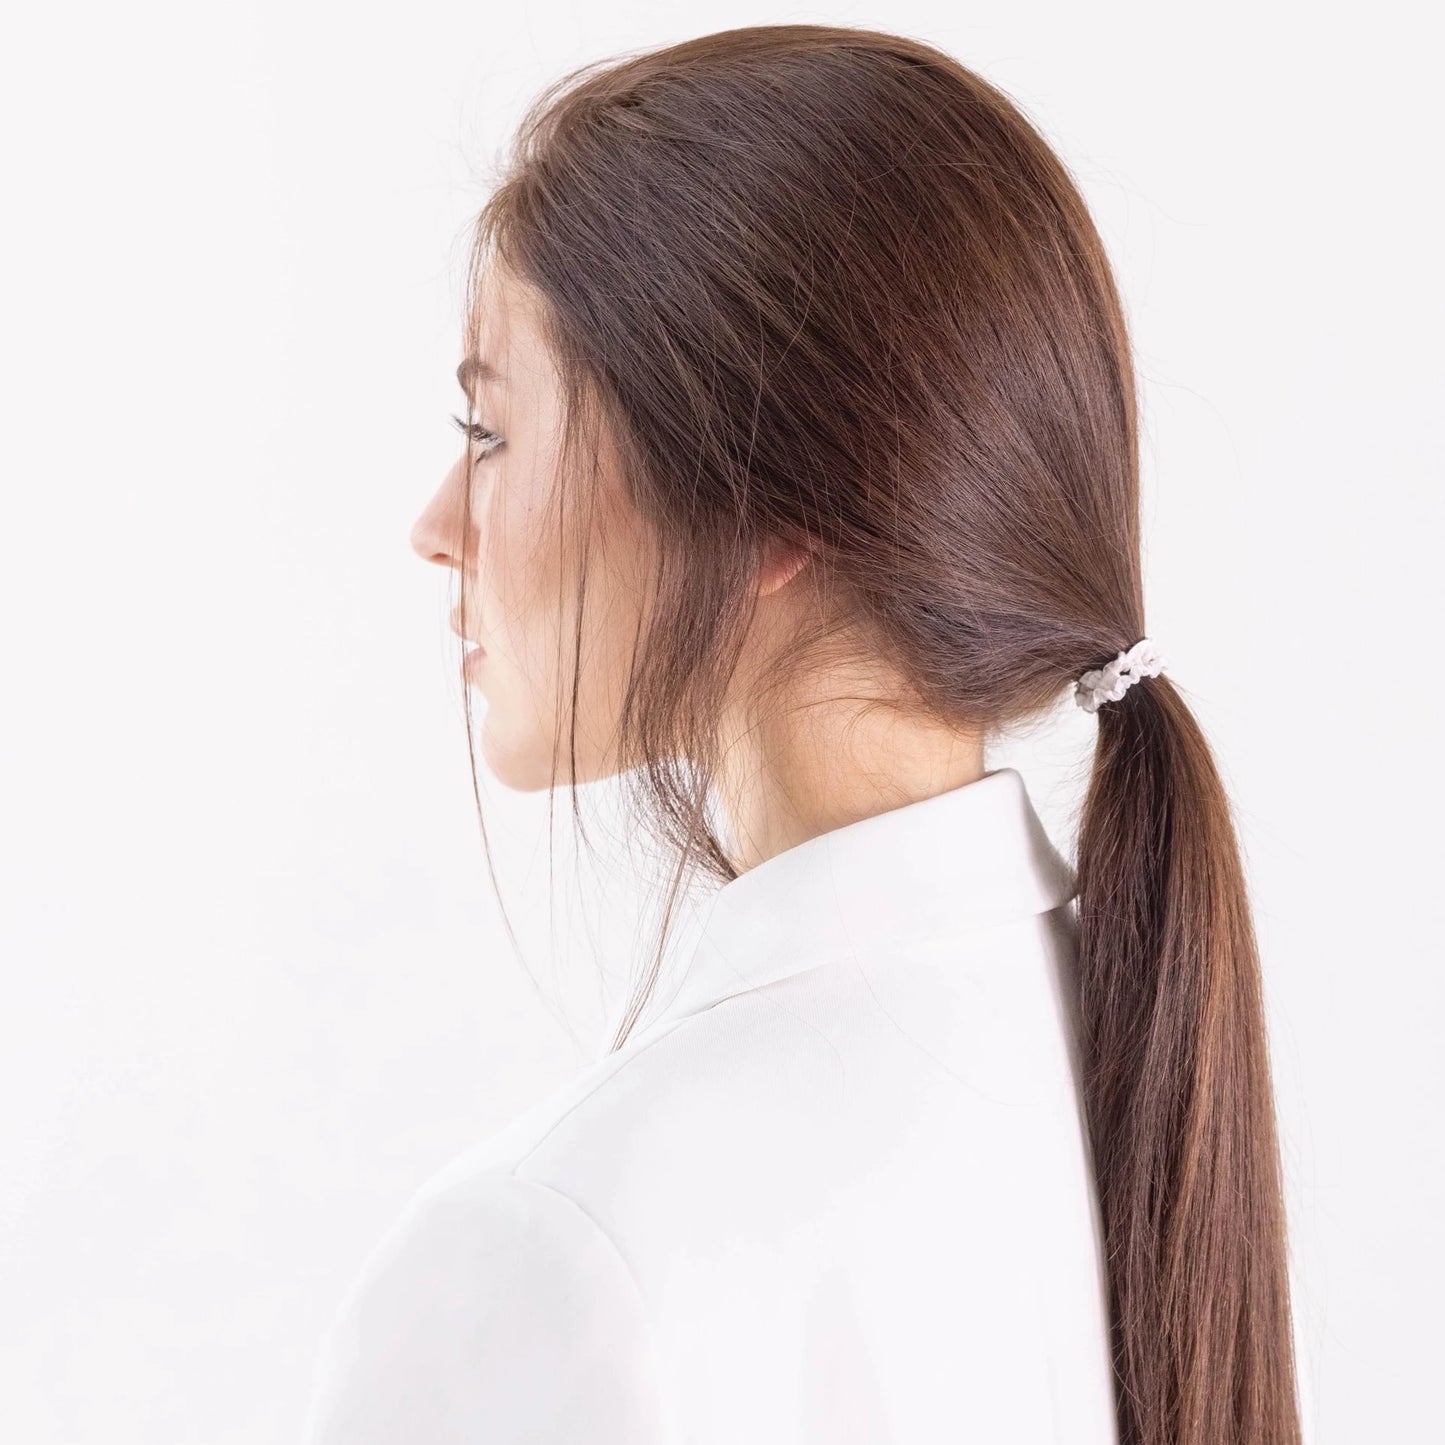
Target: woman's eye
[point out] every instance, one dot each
(477, 434)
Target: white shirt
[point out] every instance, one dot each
(837, 1188)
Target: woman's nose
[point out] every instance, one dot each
(436, 534)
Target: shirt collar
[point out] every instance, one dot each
(963, 859)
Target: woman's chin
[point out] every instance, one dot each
(521, 765)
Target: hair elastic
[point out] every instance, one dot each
(1113, 680)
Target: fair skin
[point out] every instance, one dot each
(822, 758)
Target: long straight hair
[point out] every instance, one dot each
(827, 285)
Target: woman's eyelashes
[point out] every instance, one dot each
(478, 435)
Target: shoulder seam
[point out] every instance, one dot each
(596, 1229)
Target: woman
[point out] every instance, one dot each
(802, 462)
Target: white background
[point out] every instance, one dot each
(255, 984)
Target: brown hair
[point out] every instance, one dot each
(827, 285)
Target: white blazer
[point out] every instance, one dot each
(837, 1189)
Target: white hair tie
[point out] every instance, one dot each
(1113, 680)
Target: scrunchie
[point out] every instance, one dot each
(1113, 680)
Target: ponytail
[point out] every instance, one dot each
(1177, 1091)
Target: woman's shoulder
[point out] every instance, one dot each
(492, 1308)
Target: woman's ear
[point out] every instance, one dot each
(782, 561)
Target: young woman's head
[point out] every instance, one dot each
(558, 559)
(814, 384)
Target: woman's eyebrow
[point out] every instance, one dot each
(473, 369)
